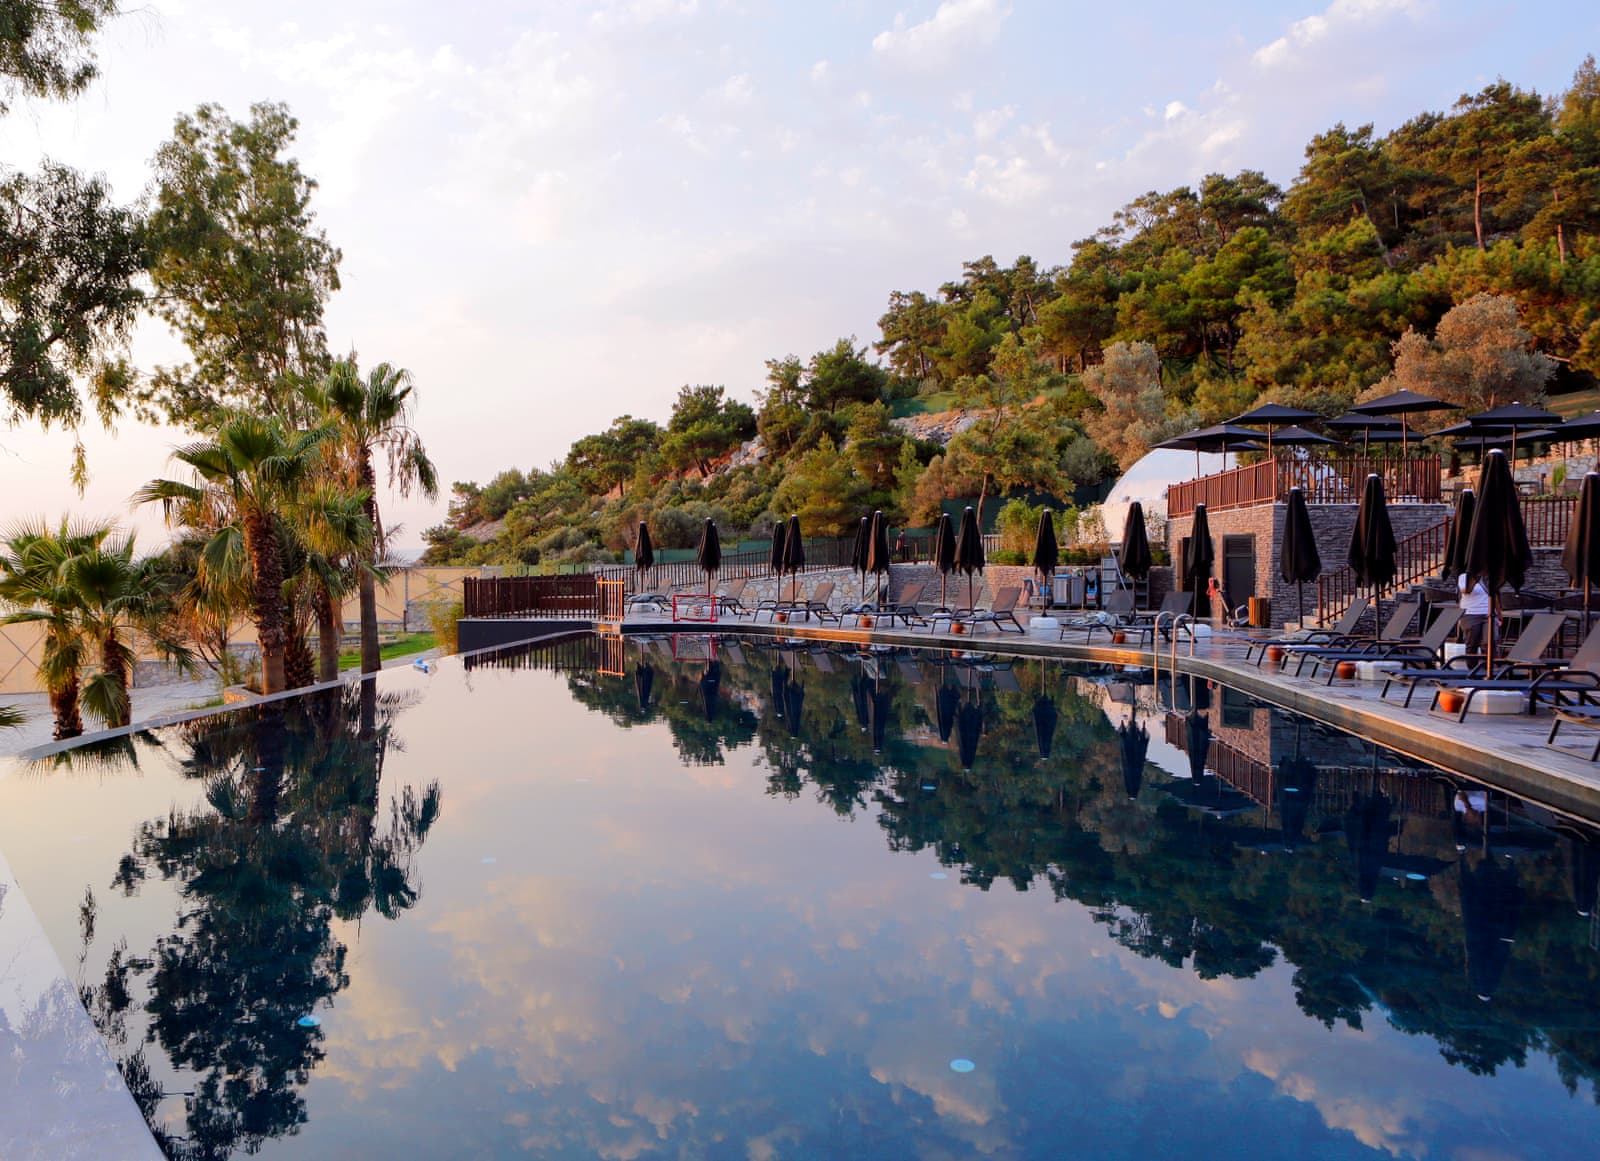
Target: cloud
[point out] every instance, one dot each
(952, 30)
(1337, 18)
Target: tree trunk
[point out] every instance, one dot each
(1477, 205)
(114, 664)
(64, 708)
(329, 630)
(371, 655)
(298, 669)
(261, 542)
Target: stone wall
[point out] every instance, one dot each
(1332, 525)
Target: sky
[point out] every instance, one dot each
(555, 213)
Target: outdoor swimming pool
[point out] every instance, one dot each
(679, 898)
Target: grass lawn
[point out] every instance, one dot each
(409, 643)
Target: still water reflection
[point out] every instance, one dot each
(777, 904)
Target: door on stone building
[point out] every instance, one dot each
(1238, 569)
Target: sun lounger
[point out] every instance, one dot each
(1344, 630)
(1427, 648)
(999, 613)
(1576, 679)
(1392, 633)
(1528, 651)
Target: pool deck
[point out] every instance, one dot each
(1507, 751)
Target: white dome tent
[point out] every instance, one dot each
(1147, 482)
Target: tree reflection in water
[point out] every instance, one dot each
(293, 836)
(1331, 871)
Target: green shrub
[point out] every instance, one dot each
(1008, 556)
(442, 621)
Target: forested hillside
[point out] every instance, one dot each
(1459, 253)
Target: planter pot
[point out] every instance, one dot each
(1275, 654)
(1119, 638)
(783, 618)
(1346, 671)
(957, 628)
(1450, 700)
(866, 622)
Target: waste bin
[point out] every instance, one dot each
(1260, 612)
(1068, 590)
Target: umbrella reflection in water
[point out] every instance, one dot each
(948, 701)
(710, 685)
(1134, 742)
(1491, 904)
(644, 681)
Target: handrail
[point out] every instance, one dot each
(1335, 480)
(1417, 557)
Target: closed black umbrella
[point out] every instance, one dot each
(1134, 741)
(1373, 556)
(775, 556)
(794, 549)
(1045, 716)
(644, 553)
(969, 728)
(794, 697)
(969, 549)
(947, 701)
(1046, 555)
(858, 551)
(881, 712)
(1491, 905)
(1581, 555)
(878, 559)
(709, 555)
(1136, 559)
(1299, 562)
(710, 685)
(944, 552)
(1197, 562)
(1197, 739)
(860, 698)
(644, 681)
(1498, 553)
(1583, 863)
(1455, 544)
(1367, 831)
(780, 687)
(1297, 786)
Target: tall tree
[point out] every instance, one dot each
(241, 270)
(247, 471)
(372, 417)
(46, 46)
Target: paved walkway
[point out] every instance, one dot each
(154, 701)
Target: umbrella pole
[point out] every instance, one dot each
(1301, 589)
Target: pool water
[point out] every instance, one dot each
(702, 898)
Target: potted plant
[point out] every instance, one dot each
(866, 620)
(1450, 700)
(1119, 637)
(1346, 671)
(1275, 654)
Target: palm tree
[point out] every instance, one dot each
(35, 583)
(244, 475)
(373, 416)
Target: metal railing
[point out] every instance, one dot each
(532, 596)
(1337, 480)
(1546, 518)
(1417, 557)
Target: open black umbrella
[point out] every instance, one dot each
(1498, 553)
(1581, 555)
(1296, 436)
(944, 553)
(969, 728)
(1352, 422)
(1221, 437)
(1045, 716)
(1367, 831)
(1299, 563)
(709, 555)
(1373, 556)
(1455, 544)
(794, 549)
(1585, 426)
(644, 681)
(1134, 742)
(1518, 417)
(947, 701)
(878, 559)
(780, 531)
(1404, 404)
(1197, 562)
(1136, 559)
(644, 553)
(1046, 555)
(858, 551)
(1491, 905)
(1271, 415)
(969, 549)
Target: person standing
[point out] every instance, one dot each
(902, 547)
(1474, 614)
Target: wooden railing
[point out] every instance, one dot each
(1412, 480)
(1546, 519)
(1417, 557)
(532, 596)
(612, 596)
